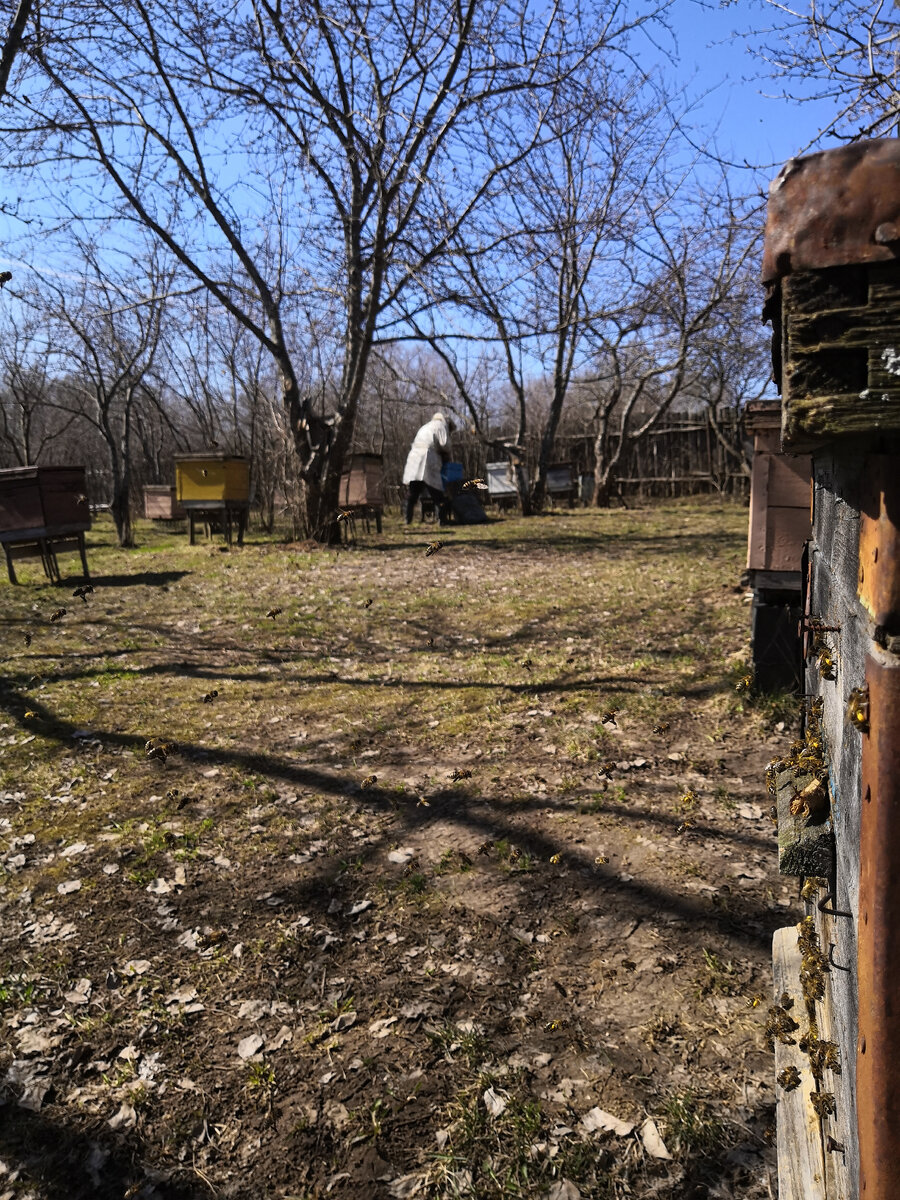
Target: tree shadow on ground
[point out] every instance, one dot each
(71, 1164)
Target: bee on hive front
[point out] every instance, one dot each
(858, 709)
(432, 548)
(789, 1078)
(823, 1103)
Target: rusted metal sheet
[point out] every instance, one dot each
(834, 208)
(879, 541)
(878, 1042)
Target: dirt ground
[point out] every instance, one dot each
(453, 877)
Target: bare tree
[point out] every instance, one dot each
(369, 137)
(846, 52)
(651, 352)
(107, 335)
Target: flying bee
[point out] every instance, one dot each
(30, 714)
(789, 1078)
(554, 1026)
(486, 847)
(460, 773)
(432, 548)
(689, 799)
(471, 484)
(606, 769)
(823, 1103)
(429, 641)
(367, 603)
(369, 781)
(527, 663)
(662, 727)
(158, 750)
(609, 717)
(556, 858)
(754, 1002)
(273, 613)
(421, 802)
(515, 854)
(82, 593)
(686, 824)
(744, 684)
(81, 498)
(26, 638)
(173, 794)
(570, 660)
(601, 859)
(858, 709)
(210, 696)
(811, 886)
(58, 615)
(345, 514)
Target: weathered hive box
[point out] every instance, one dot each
(211, 479)
(42, 502)
(561, 479)
(832, 272)
(362, 482)
(779, 500)
(161, 503)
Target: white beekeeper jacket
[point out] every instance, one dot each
(424, 459)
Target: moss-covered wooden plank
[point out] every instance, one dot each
(803, 848)
(810, 422)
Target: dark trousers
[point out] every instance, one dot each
(415, 490)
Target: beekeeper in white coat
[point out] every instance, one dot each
(430, 449)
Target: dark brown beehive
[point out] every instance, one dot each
(43, 502)
(779, 496)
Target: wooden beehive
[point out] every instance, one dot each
(779, 499)
(362, 482)
(43, 502)
(211, 479)
(161, 503)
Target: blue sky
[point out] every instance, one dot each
(751, 123)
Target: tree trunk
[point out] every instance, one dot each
(120, 508)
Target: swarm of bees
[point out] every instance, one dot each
(813, 965)
(273, 613)
(789, 1078)
(460, 773)
(432, 548)
(368, 782)
(471, 484)
(823, 1056)
(210, 696)
(82, 593)
(780, 1024)
(57, 616)
(858, 709)
(157, 749)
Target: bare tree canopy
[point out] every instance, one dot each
(846, 52)
(309, 165)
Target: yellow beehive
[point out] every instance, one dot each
(211, 478)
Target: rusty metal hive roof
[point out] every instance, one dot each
(834, 208)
